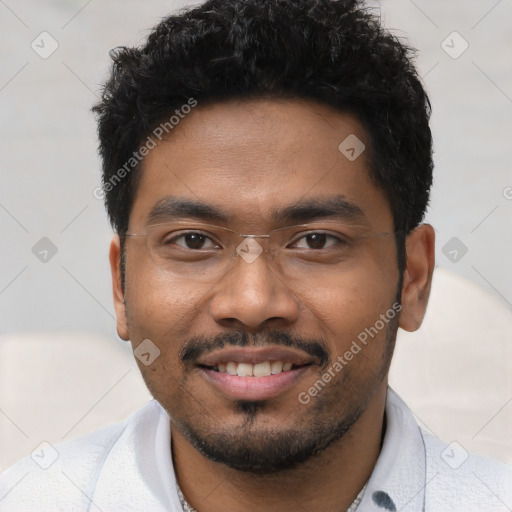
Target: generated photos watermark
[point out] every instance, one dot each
(304, 397)
(159, 133)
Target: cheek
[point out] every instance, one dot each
(156, 305)
(152, 315)
(165, 313)
(353, 305)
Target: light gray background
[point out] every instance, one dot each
(49, 166)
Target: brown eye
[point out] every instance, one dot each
(191, 240)
(318, 240)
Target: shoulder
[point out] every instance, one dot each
(63, 476)
(465, 481)
(452, 479)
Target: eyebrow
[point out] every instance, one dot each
(334, 207)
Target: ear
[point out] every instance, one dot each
(117, 289)
(420, 260)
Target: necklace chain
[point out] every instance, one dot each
(188, 508)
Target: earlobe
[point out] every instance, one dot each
(420, 261)
(117, 288)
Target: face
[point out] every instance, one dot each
(250, 161)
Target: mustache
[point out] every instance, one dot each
(198, 345)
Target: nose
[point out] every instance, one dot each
(252, 294)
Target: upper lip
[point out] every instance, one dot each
(255, 355)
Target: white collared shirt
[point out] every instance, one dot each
(128, 467)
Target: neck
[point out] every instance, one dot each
(328, 481)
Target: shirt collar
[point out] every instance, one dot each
(398, 480)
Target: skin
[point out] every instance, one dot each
(249, 157)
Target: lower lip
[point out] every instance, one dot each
(253, 388)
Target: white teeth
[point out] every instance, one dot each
(254, 370)
(276, 367)
(261, 369)
(244, 370)
(231, 368)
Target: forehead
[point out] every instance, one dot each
(250, 160)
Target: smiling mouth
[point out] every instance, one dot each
(263, 369)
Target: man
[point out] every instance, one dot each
(266, 168)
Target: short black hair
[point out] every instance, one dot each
(331, 51)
